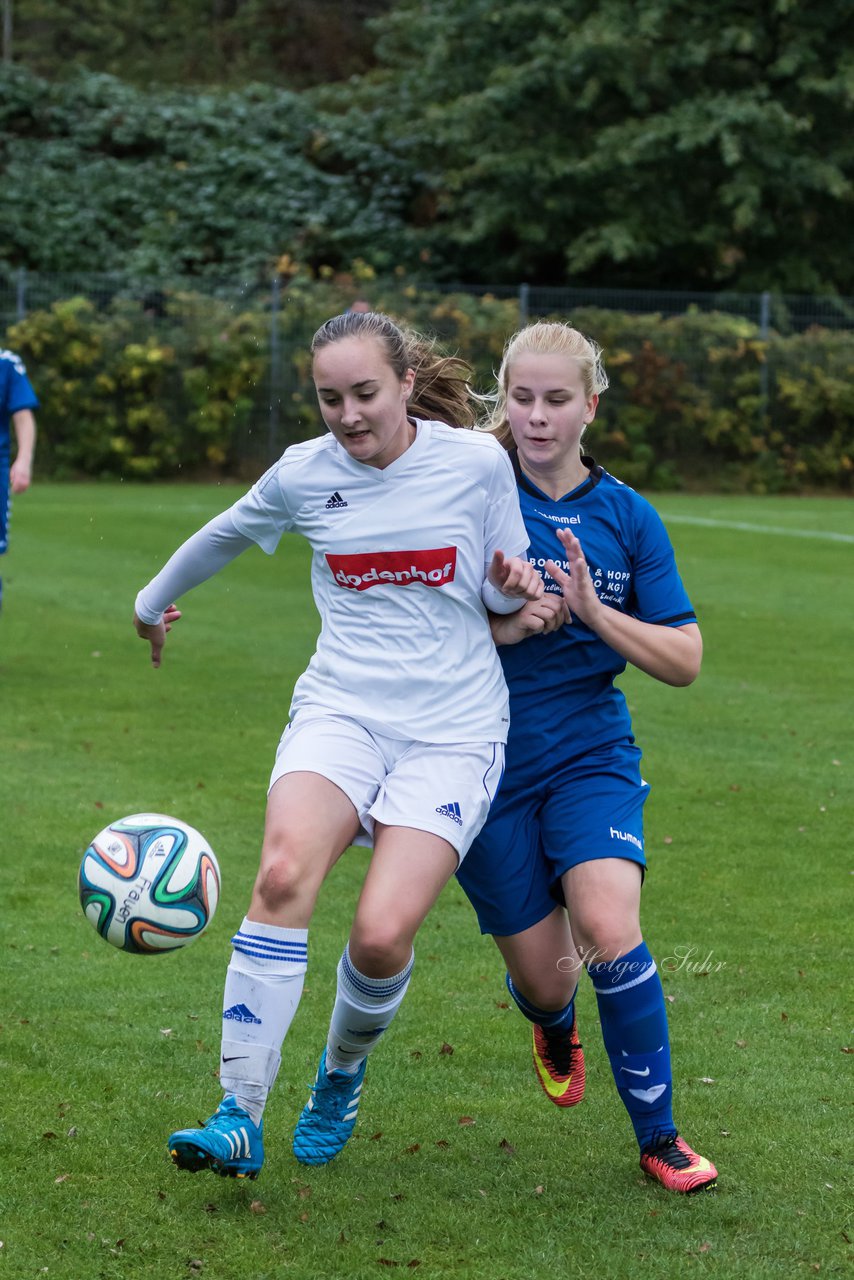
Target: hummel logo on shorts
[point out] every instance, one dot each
(335, 500)
(451, 811)
(240, 1013)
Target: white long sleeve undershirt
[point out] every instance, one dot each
(196, 560)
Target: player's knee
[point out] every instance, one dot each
(380, 949)
(600, 936)
(281, 882)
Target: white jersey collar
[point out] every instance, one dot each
(423, 431)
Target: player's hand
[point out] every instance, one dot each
(20, 476)
(515, 577)
(536, 617)
(155, 632)
(577, 585)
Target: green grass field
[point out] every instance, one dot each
(459, 1166)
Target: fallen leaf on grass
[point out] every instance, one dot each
(258, 1207)
(465, 1120)
(63, 1177)
(446, 1048)
(416, 1146)
(443, 1143)
(538, 1191)
(506, 1147)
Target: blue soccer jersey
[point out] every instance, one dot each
(572, 788)
(15, 393)
(563, 700)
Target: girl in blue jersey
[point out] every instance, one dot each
(567, 824)
(17, 402)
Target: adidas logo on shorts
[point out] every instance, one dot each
(451, 811)
(334, 501)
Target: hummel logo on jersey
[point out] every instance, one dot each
(335, 501)
(626, 835)
(240, 1013)
(558, 519)
(451, 811)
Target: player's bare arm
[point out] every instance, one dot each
(536, 617)
(155, 632)
(670, 654)
(516, 577)
(21, 470)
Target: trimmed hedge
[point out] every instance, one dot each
(200, 386)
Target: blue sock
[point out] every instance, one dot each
(553, 1019)
(634, 1029)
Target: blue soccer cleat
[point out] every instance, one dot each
(329, 1116)
(229, 1143)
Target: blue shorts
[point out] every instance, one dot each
(590, 808)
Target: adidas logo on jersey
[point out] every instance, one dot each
(335, 501)
(451, 811)
(240, 1013)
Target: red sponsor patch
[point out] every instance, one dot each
(433, 568)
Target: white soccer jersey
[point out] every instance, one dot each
(399, 559)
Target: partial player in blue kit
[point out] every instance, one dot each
(397, 726)
(567, 824)
(17, 402)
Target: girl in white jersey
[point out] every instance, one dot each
(397, 727)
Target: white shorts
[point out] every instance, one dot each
(445, 788)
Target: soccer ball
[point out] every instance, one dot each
(149, 883)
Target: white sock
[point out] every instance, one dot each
(263, 986)
(364, 1007)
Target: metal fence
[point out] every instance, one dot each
(22, 291)
(284, 322)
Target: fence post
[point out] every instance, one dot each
(21, 294)
(764, 330)
(275, 370)
(524, 304)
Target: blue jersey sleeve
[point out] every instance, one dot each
(16, 387)
(657, 594)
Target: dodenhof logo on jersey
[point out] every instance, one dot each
(433, 568)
